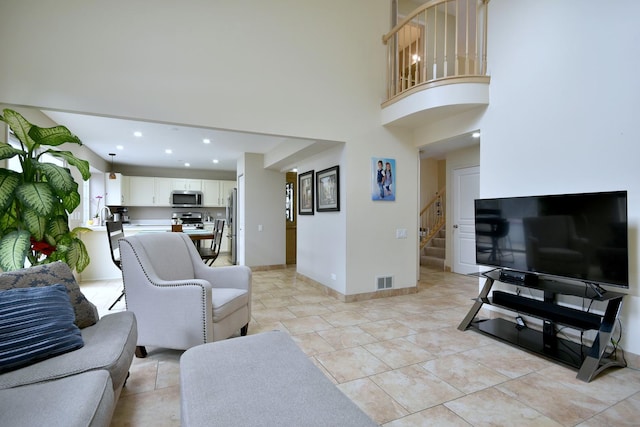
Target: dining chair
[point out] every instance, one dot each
(115, 233)
(210, 254)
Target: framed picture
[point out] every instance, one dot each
(328, 190)
(383, 179)
(305, 193)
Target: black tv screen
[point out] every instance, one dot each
(579, 236)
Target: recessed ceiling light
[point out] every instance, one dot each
(216, 161)
(476, 134)
(187, 165)
(137, 134)
(119, 147)
(168, 151)
(206, 140)
(294, 170)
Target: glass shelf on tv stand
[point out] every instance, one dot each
(588, 360)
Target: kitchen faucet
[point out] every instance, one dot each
(103, 219)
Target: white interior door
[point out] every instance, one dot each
(466, 188)
(240, 229)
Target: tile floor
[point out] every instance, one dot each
(401, 359)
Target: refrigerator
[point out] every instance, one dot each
(232, 224)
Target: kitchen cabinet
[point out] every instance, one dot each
(117, 190)
(142, 191)
(162, 192)
(216, 192)
(226, 187)
(149, 191)
(181, 184)
(211, 192)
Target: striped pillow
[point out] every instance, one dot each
(35, 324)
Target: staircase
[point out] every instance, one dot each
(433, 254)
(432, 232)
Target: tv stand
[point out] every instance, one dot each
(589, 361)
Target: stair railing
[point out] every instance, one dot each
(432, 217)
(439, 41)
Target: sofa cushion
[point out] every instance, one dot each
(109, 345)
(51, 274)
(76, 401)
(35, 324)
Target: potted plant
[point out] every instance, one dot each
(35, 203)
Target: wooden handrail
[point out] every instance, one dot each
(440, 39)
(435, 198)
(432, 217)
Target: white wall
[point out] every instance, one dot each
(263, 201)
(564, 109)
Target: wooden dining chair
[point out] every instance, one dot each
(115, 233)
(210, 254)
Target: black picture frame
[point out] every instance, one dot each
(305, 193)
(328, 190)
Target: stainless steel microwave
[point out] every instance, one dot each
(186, 199)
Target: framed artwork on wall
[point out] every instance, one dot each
(328, 190)
(383, 179)
(305, 193)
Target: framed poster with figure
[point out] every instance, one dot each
(328, 190)
(305, 193)
(383, 179)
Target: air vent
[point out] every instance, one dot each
(384, 282)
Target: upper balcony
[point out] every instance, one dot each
(437, 62)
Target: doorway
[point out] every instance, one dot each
(291, 218)
(466, 188)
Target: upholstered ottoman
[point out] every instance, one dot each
(264, 380)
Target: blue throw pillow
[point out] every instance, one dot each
(35, 324)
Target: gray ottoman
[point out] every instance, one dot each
(260, 380)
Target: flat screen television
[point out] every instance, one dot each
(577, 236)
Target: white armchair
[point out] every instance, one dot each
(180, 302)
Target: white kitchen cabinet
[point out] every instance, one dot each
(182, 184)
(226, 187)
(216, 192)
(149, 191)
(211, 192)
(117, 190)
(163, 192)
(142, 191)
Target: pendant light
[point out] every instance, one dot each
(112, 175)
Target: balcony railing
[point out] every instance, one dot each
(439, 41)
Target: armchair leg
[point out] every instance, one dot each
(141, 352)
(244, 330)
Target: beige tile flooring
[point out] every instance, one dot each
(401, 359)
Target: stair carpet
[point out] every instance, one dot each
(433, 254)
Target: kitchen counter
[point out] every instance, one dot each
(101, 266)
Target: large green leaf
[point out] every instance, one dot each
(20, 126)
(58, 177)
(8, 220)
(13, 250)
(71, 201)
(81, 165)
(37, 196)
(54, 136)
(83, 255)
(7, 151)
(58, 227)
(9, 181)
(35, 223)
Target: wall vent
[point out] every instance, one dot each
(384, 282)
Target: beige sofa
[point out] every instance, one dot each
(76, 388)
